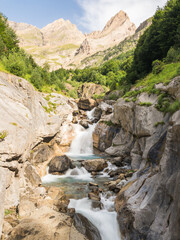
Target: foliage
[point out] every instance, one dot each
(156, 41)
(3, 135)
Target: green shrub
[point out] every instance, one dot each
(3, 135)
(157, 66)
(147, 104)
(173, 107)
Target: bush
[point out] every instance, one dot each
(157, 66)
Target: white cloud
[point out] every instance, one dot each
(96, 13)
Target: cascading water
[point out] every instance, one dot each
(75, 182)
(83, 142)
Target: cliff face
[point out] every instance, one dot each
(30, 132)
(149, 141)
(61, 43)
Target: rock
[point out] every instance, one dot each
(97, 114)
(118, 161)
(42, 154)
(84, 123)
(32, 175)
(92, 184)
(103, 135)
(2, 194)
(84, 226)
(86, 104)
(60, 164)
(148, 205)
(75, 119)
(94, 165)
(45, 223)
(173, 88)
(97, 204)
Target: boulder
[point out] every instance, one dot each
(103, 135)
(86, 104)
(84, 226)
(84, 123)
(60, 164)
(94, 165)
(46, 223)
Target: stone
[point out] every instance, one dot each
(148, 205)
(2, 194)
(86, 227)
(94, 196)
(94, 165)
(60, 164)
(103, 135)
(32, 175)
(86, 104)
(84, 124)
(45, 223)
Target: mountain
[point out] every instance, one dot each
(61, 44)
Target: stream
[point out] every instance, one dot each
(75, 184)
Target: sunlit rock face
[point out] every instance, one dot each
(61, 44)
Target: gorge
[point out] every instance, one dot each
(91, 153)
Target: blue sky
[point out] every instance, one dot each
(88, 15)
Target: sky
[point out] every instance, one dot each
(88, 15)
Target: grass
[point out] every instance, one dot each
(8, 211)
(14, 124)
(159, 123)
(147, 104)
(68, 46)
(3, 135)
(2, 68)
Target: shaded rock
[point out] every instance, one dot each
(86, 104)
(3, 184)
(103, 135)
(32, 175)
(97, 204)
(84, 123)
(148, 207)
(94, 165)
(84, 226)
(60, 164)
(42, 154)
(94, 196)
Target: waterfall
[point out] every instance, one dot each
(82, 144)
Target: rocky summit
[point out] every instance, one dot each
(61, 44)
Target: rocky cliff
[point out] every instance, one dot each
(149, 142)
(32, 127)
(61, 44)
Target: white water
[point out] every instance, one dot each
(104, 220)
(76, 173)
(82, 144)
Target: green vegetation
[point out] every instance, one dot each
(14, 124)
(3, 135)
(147, 104)
(8, 211)
(159, 123)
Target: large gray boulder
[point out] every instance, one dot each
(94, 165)
(84, 226)
(60, 164)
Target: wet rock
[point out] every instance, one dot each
(94, 165)
(75, 119)
(91, 184)
(84, 123)
(118, 161)
(60, 164)
(84, 226)
(86, 104)
(103, 135)
(97, 204)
